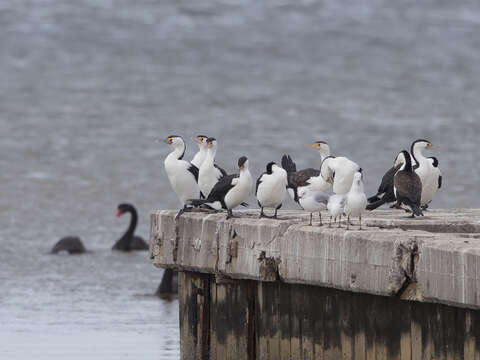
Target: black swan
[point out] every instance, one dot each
(128, 241)
(169, 284)
(71, 244)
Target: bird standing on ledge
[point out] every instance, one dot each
(230, 191)
(271, 188)
(183, 175)
(356, 200)
(407, 184)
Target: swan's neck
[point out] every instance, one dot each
(133, 224)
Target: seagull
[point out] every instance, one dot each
(335, 207)
(300, 181)
(313, 201)
(182, 174)
(230, 191)
(407, 184)
(271, 188)
(209, 173)
(201, 140)
(356, 200)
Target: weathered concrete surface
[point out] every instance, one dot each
(433, 258)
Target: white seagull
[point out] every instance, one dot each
(356, 200)
(335, 207)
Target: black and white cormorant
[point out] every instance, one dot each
(385, 193)
(183, 175)
(423, 166)
(209, 173)
(407, 184)
(230, 191)
(271, 188)
(201, 140)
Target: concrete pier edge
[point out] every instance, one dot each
(435, 258)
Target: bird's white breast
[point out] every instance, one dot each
(272, 189)
(182, 181)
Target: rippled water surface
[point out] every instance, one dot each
(86, 86)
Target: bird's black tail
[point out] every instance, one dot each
(288, 164)
(373, 204)
(291, 168)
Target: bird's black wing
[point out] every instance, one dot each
(440, 181)
(194, 170)
(259, 181)
(409, 186)
(387, 179)
(302, 177)
(386, 186)
(224, 173)
(221, 188)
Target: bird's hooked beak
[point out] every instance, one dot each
(431, 146)
(314, 146)
(168, 140)
(119, 213)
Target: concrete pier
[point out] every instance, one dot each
(271, 289)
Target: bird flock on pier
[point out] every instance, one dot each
(336, 186)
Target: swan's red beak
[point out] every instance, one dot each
(119, 213)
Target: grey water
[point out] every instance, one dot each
(87, 86)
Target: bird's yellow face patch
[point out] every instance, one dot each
(169, 140)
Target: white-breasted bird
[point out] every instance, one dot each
(271, 188)
(182, 174)
(424, 168)
(230, 191)
(313, 201)
(201, 140)
(335, 207)
(307, 178)
(356, 200)
(209, 173)
(339, 171)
